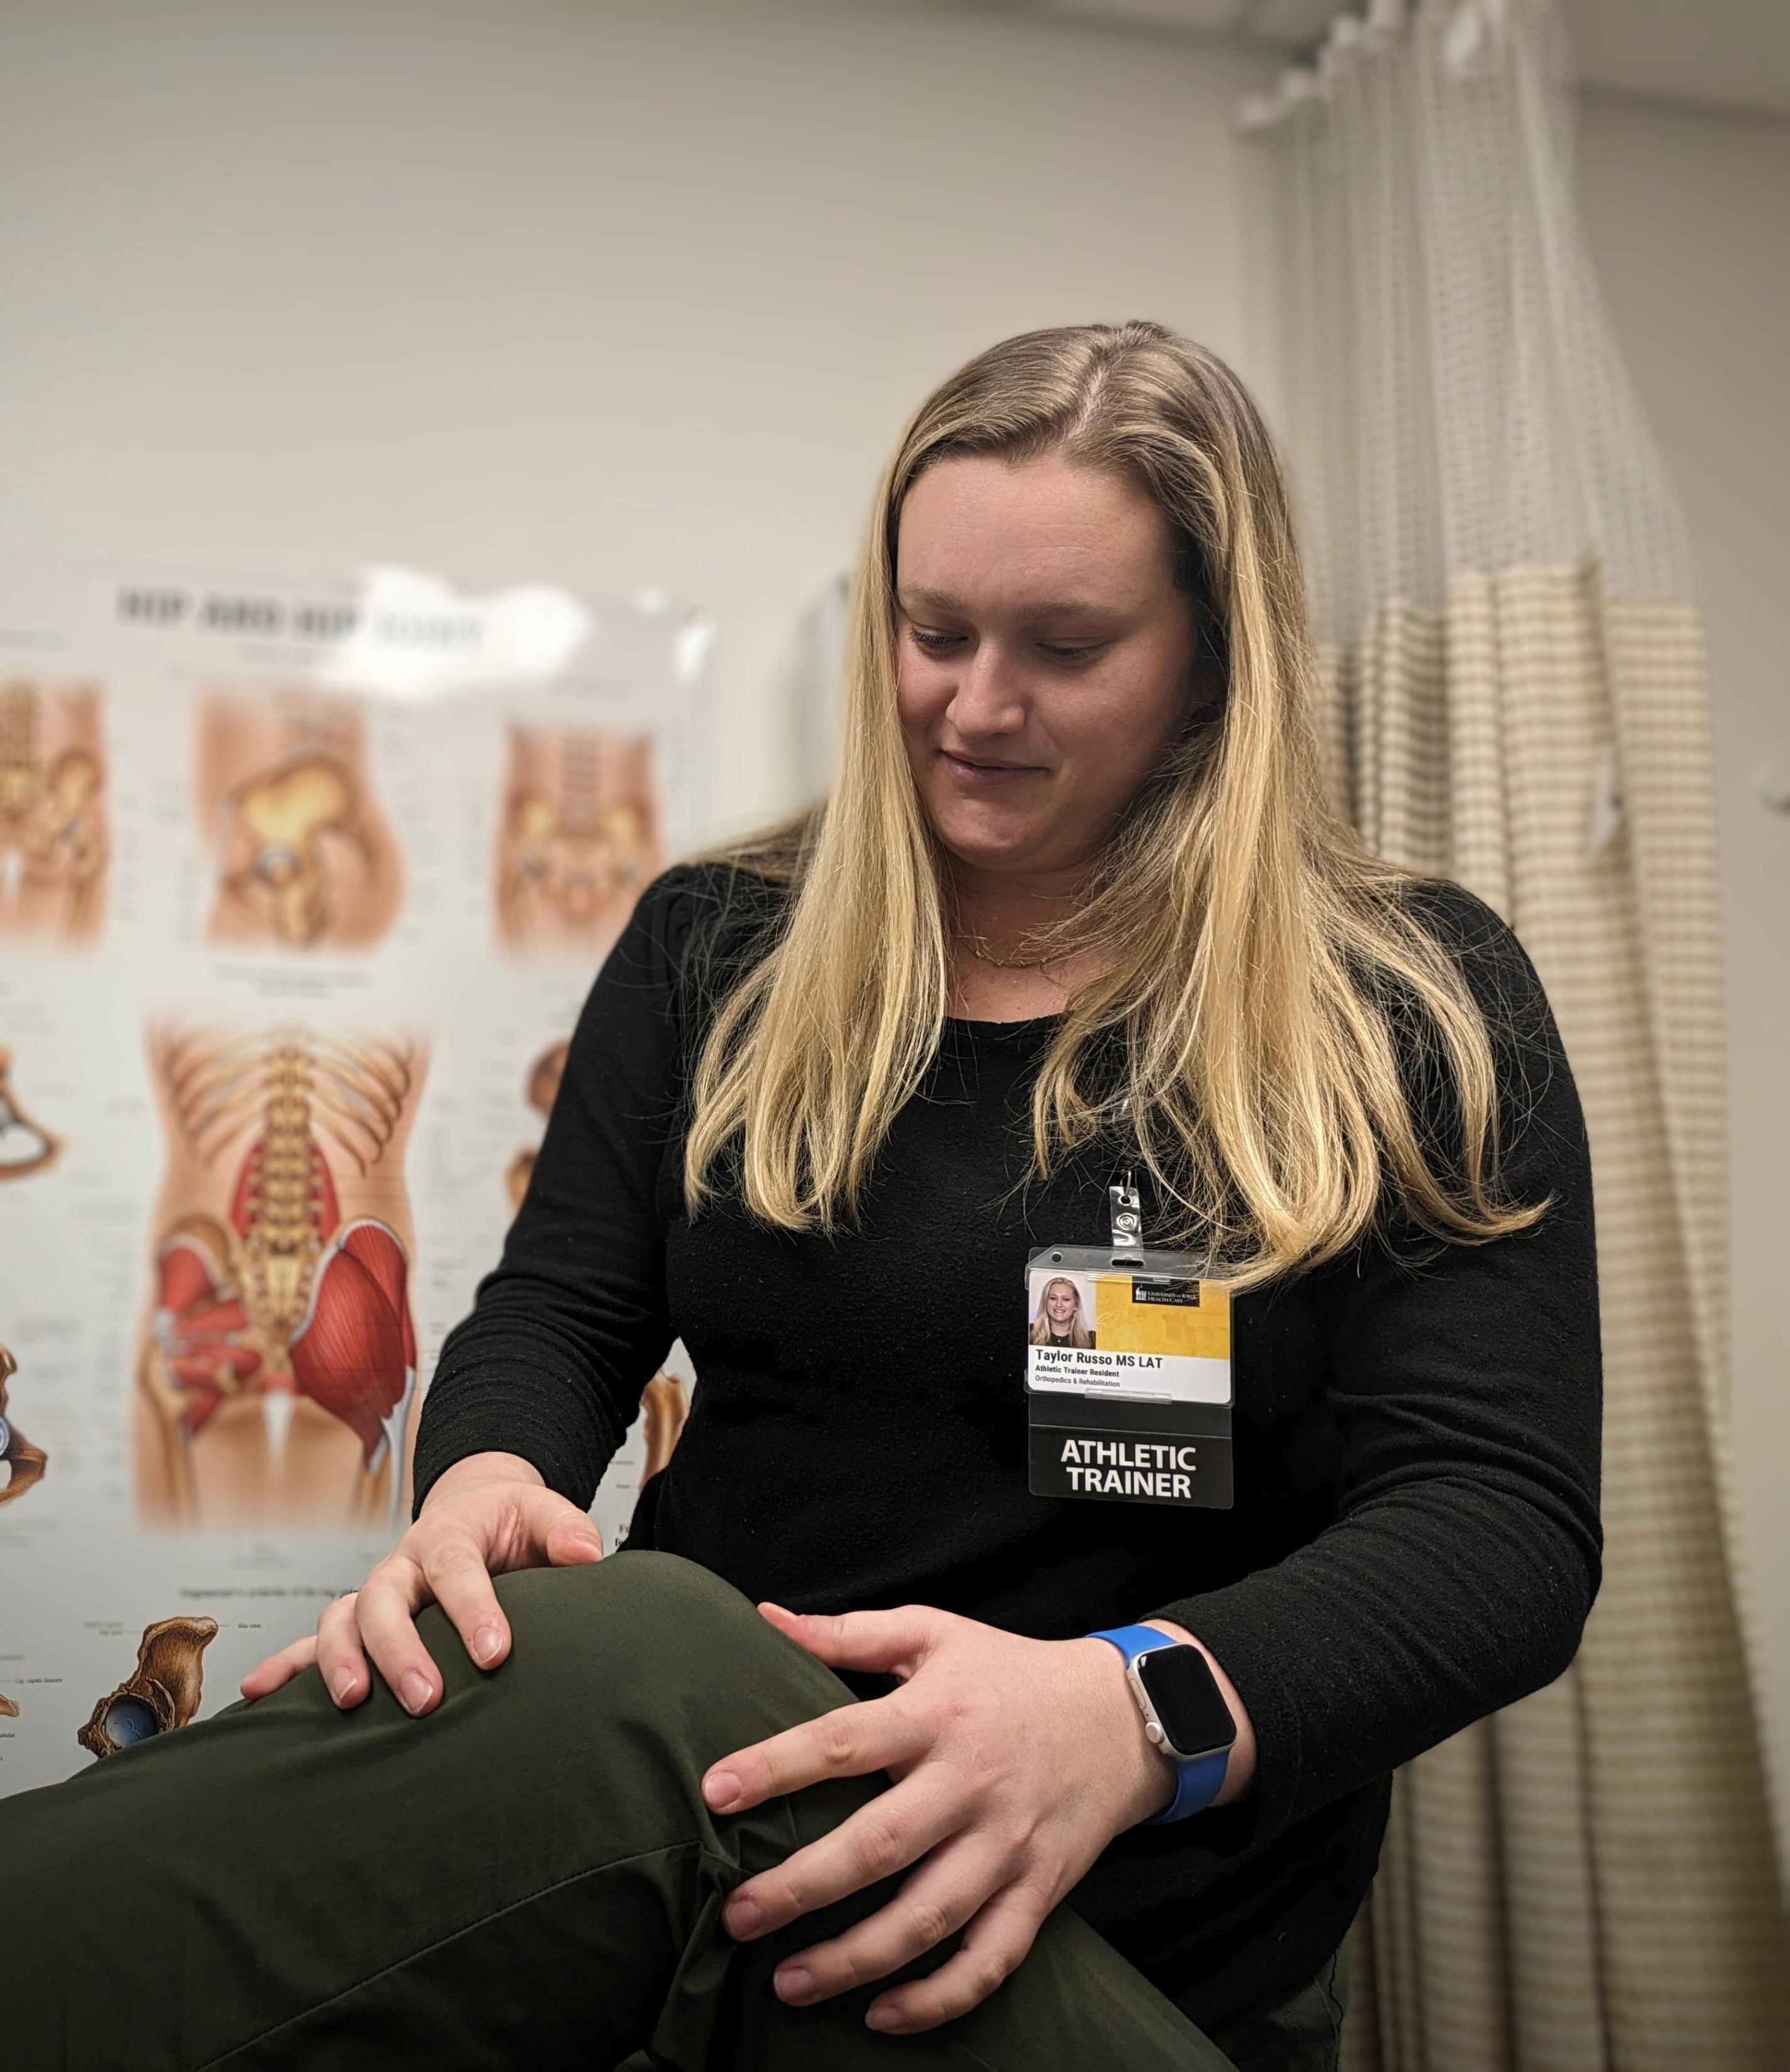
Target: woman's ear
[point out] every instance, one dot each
(1207, 686)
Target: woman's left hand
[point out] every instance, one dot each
(1015, 1762)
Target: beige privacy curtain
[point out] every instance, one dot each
(1584, 1883)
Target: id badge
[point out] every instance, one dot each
(1128, 1377)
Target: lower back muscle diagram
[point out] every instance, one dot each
(278, 1359)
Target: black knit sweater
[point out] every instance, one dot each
(1414, 1540)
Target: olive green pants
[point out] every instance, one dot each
(528, 1877)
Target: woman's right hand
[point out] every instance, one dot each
(488, 1514)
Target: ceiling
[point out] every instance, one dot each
(1732, 54)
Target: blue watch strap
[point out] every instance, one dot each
(1196, 1783)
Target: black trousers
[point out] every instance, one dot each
(529, 1877)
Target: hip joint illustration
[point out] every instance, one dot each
(306, 858)
(53, 842)
(578, 838)
(25, 1463)
(161, 1694)
(24, 1147)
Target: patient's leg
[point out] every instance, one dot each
(527, 1876)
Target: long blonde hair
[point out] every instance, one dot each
(1079, 1334)
(1265, 978)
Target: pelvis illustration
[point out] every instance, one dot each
(53, 841)
(283, 818)
(665, 1408)
(282, 1290)
(162, 1695)
(24, 1148)
(305, 858)
(24, 1462)
(664, 1404)
(579, 839)
(544, 1075)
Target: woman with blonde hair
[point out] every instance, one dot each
(1098, 1781)
(1059, 1321)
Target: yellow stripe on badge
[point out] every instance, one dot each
(1123, 1325)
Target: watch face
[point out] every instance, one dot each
(1180, 1686)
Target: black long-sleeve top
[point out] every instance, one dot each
(1414, 1540)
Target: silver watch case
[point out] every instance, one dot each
(1154, 1732)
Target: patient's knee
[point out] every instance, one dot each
(646, 1630)
(641, 1587)
(643, 1613)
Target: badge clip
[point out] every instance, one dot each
(1127, 1217)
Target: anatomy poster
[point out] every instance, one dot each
(301, 887)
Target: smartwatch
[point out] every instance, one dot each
(1185, 1714)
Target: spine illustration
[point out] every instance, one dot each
(285, 1294)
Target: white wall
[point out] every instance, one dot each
(600, 296)
(1687, 215)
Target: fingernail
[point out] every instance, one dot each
(720, 1788)
(414, 1689)
(884, 2018)
(345, 1686)
(794, 1984)
(486, 1642)
(743, 1916)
